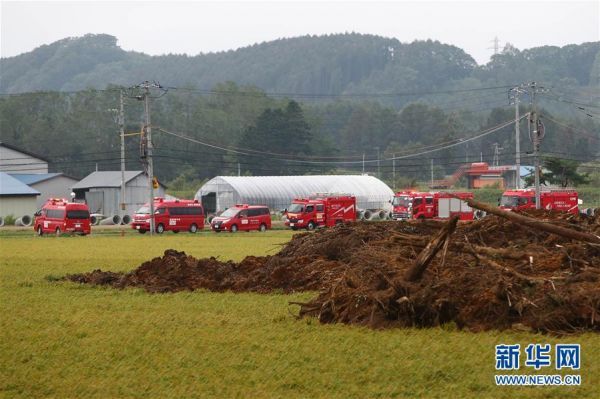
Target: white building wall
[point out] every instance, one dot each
(18, 205)
(57, 187)
(12, 161)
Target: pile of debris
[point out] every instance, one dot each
(540, 273)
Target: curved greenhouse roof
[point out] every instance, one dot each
(277, 192)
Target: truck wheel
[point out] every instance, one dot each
(234, 228)
(193, 228)
(40, 231)
(294, 228)
(58, 232)
(421, 218)
(310, 225)
(160, 228)
(262, 228)
(141, 231)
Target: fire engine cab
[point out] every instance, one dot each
(323, 209)
(431, 205)
(178, 215)
(558, 200)
(58, 216)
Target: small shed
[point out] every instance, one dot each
(16, 198)
(50, 185)
(102, 191)
(19, 160)
(277, 192)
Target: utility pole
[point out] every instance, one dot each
(497, 148)
(394, 172)
(363, 164)
(378, 169)
(147, 146)
(515, 93)
(150, 147)
(432, 172)
(536, 138)
(122, 133)
(239, 170)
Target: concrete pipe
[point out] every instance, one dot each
(126, 219)
(24, 220)
(95, 218)
(1, 221)
(587, 211)
(367, 215)
(382, 214)
(478, 214)
(116, 219)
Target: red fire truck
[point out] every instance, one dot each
(559, 200)
(322, 209)
(243, 217)
(431, 205)
(178, 215)
(59, 216)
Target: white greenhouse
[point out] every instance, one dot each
(277, 192)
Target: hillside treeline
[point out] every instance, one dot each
(240, 129)
(330, 64)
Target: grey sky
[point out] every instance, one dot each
(192, 27)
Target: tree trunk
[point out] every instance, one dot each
(427, 254)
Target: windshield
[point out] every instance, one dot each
(510, 201)
(145, 210)
(403, 200)
(229, 213)
(78, 214)
(296, 208)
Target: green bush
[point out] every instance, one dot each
(9, 220)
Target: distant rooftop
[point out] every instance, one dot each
(33, 178)
(31, 154)
(11, 186)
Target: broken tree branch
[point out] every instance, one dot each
(536, 224)
(427, 254)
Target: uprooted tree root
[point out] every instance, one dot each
(489, 274)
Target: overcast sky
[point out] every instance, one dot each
(192, 27)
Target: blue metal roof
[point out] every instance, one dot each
(11, 186)
(32, 178)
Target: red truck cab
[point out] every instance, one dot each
(431, 205)
(59, 216)
(176, 216)
(321, 210)
(558, 200)
(242, 217)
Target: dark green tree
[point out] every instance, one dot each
(561, 172)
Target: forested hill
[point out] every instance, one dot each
(331, 64)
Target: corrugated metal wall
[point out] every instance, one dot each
(106, 200)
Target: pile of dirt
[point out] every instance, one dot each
(488, 274)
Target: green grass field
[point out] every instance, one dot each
(65, 340)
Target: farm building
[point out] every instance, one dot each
(102, 191)
(277, 192)
(16, 160)
(50, 185)
(16, 198)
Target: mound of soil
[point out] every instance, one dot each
(490, 274)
